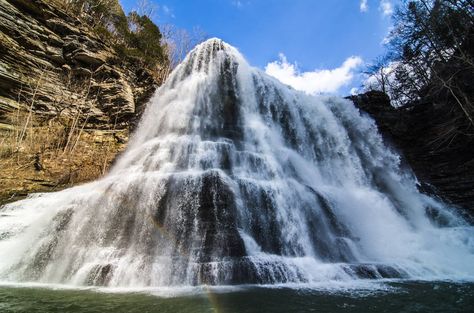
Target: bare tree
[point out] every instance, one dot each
(179, 42)
(148, 8)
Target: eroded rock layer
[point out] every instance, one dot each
(56, 64)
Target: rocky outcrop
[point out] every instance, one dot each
(443, 164)
(55, 64)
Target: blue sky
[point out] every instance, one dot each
(297, 41)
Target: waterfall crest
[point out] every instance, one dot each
(233, 178)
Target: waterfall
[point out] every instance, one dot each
(235, 178)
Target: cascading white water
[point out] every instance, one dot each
(233, 178)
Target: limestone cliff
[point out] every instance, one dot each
(67, 98)
(51, 58)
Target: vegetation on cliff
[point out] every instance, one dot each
(133, 36)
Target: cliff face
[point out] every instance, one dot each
(444, 165)
(67, 99)
(57, 62)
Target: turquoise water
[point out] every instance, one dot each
(388, 297)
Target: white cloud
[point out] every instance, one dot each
(237, 3)
(364, 6)
(317, 81)
(168, 11)
(240, 4)
(386, 7)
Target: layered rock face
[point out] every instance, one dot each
(54, 63)
(444, 167)
(67, 99)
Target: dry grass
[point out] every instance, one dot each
(46, 155)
